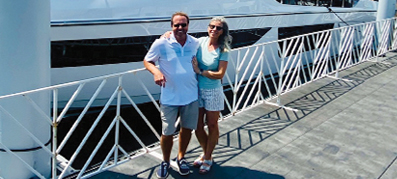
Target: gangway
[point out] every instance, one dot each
(265, 78)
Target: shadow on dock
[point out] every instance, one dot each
(240, 139)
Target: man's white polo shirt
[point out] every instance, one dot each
(175, 63)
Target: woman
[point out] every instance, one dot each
(210, 65)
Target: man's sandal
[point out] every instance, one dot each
(206, 166)
(199, 161)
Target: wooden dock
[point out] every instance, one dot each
(341, 128)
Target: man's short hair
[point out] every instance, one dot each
(179, 14)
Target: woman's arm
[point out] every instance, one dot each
(216, 74)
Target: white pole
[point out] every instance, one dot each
(386, 9)
(24, 65)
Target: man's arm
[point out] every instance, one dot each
(159, 78)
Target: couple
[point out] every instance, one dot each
(190, 88)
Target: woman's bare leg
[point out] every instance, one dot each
(201, 135)
(213, 133)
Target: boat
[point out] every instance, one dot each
(94, 38)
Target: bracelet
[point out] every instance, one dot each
(201, 72)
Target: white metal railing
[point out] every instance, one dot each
(255, 74)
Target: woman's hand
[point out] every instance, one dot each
(195, 65)
(166, 35)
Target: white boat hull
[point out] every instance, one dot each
(287, 16)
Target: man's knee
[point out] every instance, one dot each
(186, 130)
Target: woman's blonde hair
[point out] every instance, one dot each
(225, 39)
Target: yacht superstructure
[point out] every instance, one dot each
(93, 38)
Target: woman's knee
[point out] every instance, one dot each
(199, 129)
(212, 119)
(212, 125)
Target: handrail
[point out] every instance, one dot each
(256, 74)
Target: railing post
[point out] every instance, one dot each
(118, 114)
(393, 34)
(280, 81)
(336, 59)
(340, 49)
(379, 36)
(261, 73)
(54, 133)
(235, 90)
(281, 74)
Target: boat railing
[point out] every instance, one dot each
(256, 74)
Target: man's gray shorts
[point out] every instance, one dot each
(188, 117)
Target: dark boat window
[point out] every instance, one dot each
(76, 53)
(331, 3)
(243, 37)
(287, 32)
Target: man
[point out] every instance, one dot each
(179, 91)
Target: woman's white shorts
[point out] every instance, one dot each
(211, 99)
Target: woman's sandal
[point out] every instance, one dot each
(206, 166)
(199, 161)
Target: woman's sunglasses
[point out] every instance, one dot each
(214, 26)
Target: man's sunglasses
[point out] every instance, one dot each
(214, 26)
(183, 25)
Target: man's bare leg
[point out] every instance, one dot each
(184, 139)
(166, 146)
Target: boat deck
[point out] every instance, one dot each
(342, 128)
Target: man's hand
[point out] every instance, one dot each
(159, 79)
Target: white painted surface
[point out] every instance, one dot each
(24, 65)
(386, 9)
(92, 19)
